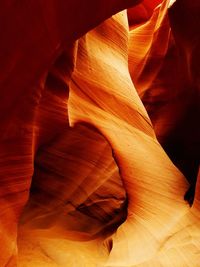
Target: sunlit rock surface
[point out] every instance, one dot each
(168, 90)
(99, 140)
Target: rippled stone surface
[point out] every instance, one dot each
(99, 133)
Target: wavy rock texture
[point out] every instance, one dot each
(172, 104)
(99, 130)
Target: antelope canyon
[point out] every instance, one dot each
(100, 129)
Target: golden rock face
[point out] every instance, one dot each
(99, 134)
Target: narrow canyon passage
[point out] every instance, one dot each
(99, 145)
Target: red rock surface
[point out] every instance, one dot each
(99, 131)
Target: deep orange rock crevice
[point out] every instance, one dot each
(99, 141)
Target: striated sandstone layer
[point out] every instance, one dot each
(99, 140)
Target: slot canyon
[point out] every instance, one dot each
(100, 133)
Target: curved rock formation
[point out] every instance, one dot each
(98, 132)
